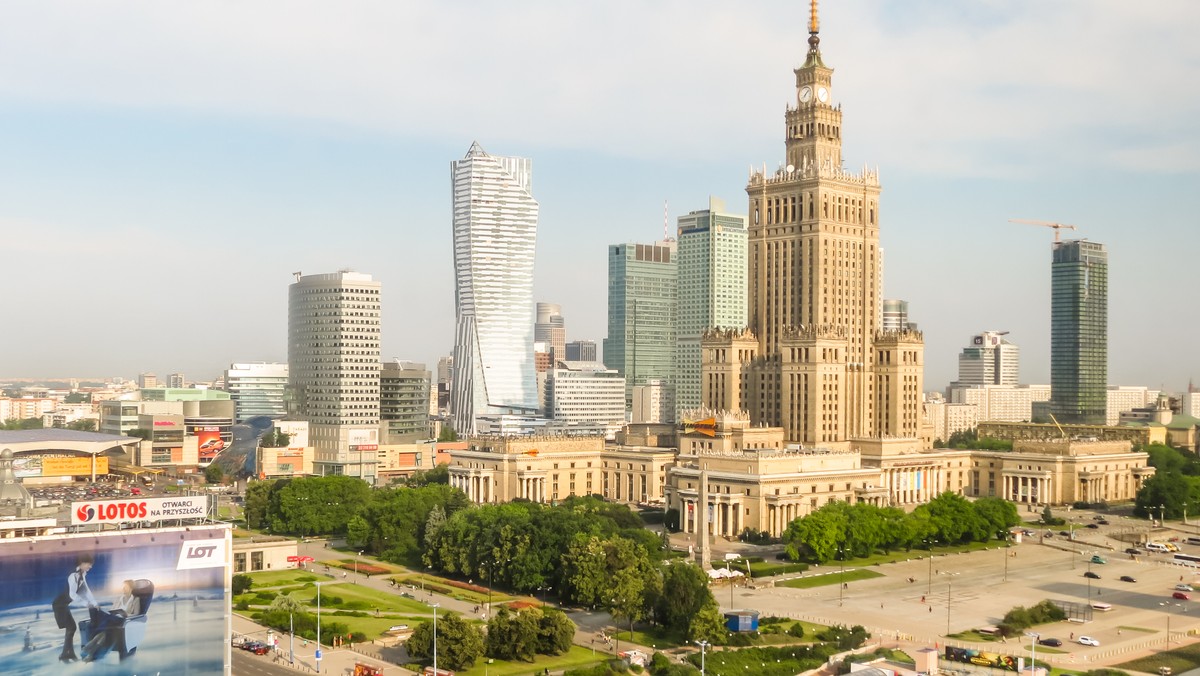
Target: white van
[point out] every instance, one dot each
(1157, 547)
(1102, 607)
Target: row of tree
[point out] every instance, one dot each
(1175, 487)
(511, 635)
(841, 530)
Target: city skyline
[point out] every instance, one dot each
(217, 172)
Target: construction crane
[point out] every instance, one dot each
(1047, 224)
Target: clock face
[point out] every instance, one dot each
(805, 94)
(823, 95)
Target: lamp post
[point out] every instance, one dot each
(318, 653)
(949, 598)
(1167, 608)
(1162, 515)
(842, 571)
(1007, 541)
(729, 571)
(703, 645)
(435, 607)
(929, 546)
(1033, 639)
(356, 563)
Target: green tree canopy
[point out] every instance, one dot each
(556, 632)
(513, 635)
(459, 643)
(684, 592)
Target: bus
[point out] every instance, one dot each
(1102, 607)
(1188, 560)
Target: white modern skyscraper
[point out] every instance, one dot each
(333, 369)
(711, 288)
(495, 229)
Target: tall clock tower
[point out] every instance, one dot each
(823, 368)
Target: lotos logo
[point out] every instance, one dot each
(111, 511)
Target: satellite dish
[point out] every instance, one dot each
(790, 168)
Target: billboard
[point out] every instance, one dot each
(209, 441)
(26, 466)
(145, 602)
(136, 510)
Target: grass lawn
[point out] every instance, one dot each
(1180, 660)
(576, 657)
(654, 637)
(282, 578)
(833, 578)
(444, 586)
(348, 591)
(1141, 629)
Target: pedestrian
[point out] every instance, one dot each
(931, 609)
(922, 599)
(1072, 636)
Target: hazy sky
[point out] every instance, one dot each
(166, 167)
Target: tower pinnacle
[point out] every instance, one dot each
(814, 25)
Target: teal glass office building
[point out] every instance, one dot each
(1079, 332)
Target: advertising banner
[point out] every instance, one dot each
(982, 658)
(118, 604)
(26, 466)
(209, 441)
(136, 509)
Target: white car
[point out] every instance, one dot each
(1183, 587)
(1088, 640)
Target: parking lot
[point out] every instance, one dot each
(958, 592)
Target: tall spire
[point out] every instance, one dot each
(814, 26)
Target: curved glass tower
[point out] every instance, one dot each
(495, 229)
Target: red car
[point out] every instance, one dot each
(1180, 595)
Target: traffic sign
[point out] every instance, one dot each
(318, 653)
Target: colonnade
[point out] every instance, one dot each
(726, 520)
(1028, 489)
(477, 487)
(532, 488)
(913, 485)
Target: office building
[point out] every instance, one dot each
(586, 394)
(176, 381)
(1002, 403)
(895, 313)
(495, 230)
(711, 272)
(582, 350)
(333, 369)
(147, 380)
(814, 359)
(652, 402)
(1079, 332)
(404, 402)
(1125, 398)
(642, 305)
(989, 360)
(551, 329)
(257, 389)
(445, 368)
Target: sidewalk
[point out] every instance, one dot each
(338, 661)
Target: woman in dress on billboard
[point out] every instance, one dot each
(75, 592)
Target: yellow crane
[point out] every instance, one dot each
(1047, 224)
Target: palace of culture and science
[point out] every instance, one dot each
(814, 360)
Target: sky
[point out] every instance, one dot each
(166, 167)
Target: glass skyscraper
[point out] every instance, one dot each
(495, 229)
(642, 306)
(1079, 332)
(712, 289)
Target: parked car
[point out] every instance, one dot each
(1133, 550)
(1088, 640)
(1048, 534)
(1183, 587)
(1065, 533)
(1028, 533)
(1181, 596)
(1097, 518)
(1096, 558)
(1052, 642)
(1093, 525)
(1103, 522)
(1128, 578)
(1092, 575)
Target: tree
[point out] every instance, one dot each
(447, 434)
(83, 425)
(684, 592)
(460, 643)
(140, 433)
(214, 474)
(24, 424)
(997, 513)
(434, 523)
(513, 635)
(439, 474)
(357, 531)
(258, 496)
(556, 632)
(287, 603)
(1171, 490)
(275, 438)
(708, 625)
(818, 534)
(241, 584)
(316, 505)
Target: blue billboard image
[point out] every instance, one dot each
(119, 603)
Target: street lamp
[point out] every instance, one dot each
(1167, 608)
(318, 654)
(356, 563)
(842, 571)
(1007, 541)
(435, 607)
(929, 546)
(1162, 515)
(949, 598)
(543, 590)
(703, 645)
